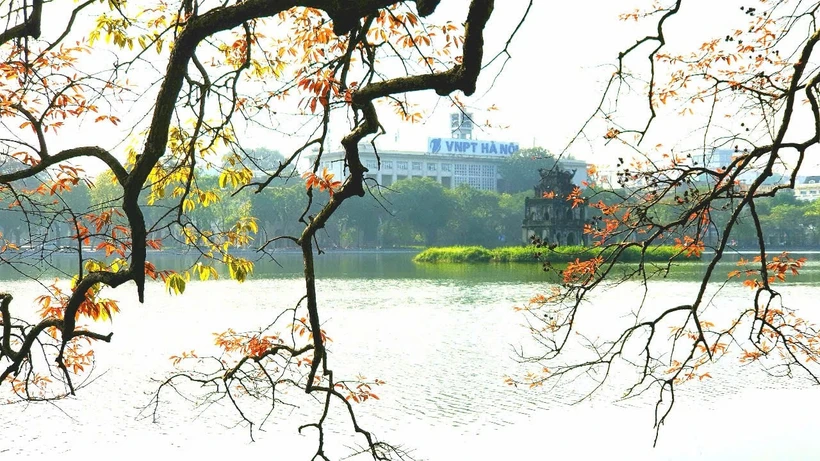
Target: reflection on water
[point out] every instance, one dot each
(397, 265)
(442, 338)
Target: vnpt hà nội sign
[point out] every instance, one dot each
(470, 146)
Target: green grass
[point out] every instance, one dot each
(473, 254)
(561, 254)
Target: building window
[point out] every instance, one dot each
(370, 164)
(488, 183)
(401, 165)
(461, 169)
(387, 164)
(488, 171)
(416, 166)
(459, 180)
(431, 167)
(475, 170)
(474, 182)
(446, 167)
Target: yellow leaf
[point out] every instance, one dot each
(175, 284)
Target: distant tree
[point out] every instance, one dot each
(786, 225)
(265, 161)
(519, 171)
(420, 205)
(359, 222)
(476, 217)
(785, 197)
(511, 217)
(103, 191)
(275, 207)
(811, 219)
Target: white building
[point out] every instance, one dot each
(451, 162)
(809, 190)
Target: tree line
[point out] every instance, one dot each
(786, 222)
(411, 213)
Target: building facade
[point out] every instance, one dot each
(450, 162)
(449, 169)
(808, 190)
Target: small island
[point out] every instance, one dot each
(533, 253)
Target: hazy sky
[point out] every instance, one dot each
(553, 80)
(551, 83)
(561, 58)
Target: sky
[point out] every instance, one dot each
(552, 80)
(549, 85)
(544, 93)
(560, 60)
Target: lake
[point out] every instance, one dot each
(442, 338)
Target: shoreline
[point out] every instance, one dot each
(531, 254)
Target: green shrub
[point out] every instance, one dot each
(471, 254)
(561, 254)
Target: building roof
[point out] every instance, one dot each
(366, 148)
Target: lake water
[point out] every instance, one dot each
(442, 338)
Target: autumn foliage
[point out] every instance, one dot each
(745, 90)
(163, 97)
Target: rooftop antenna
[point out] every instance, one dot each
(461, 125)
